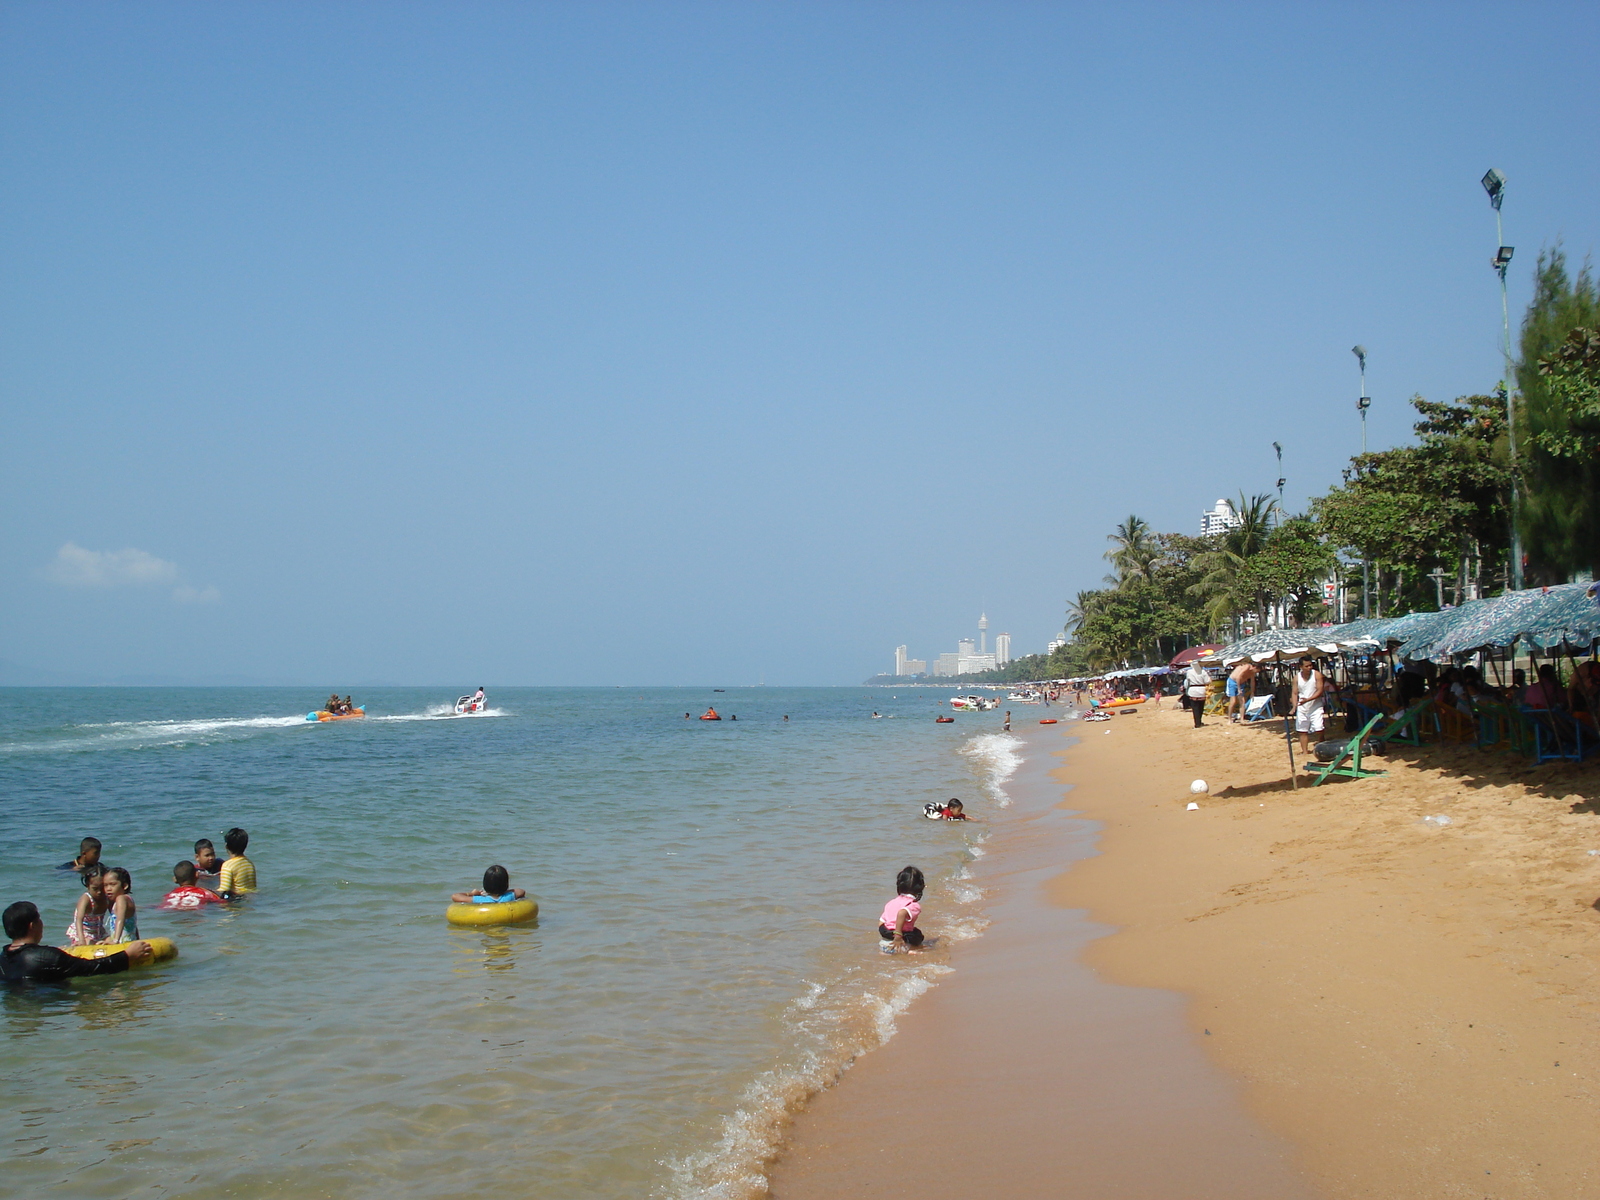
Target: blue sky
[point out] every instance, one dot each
(682, 343)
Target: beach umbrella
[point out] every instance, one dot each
(1184, 657)
(1564, 617)
(1422, 636)
(1283, 645)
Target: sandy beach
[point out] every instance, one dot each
(1390, 1007)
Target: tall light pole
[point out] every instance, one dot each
(1495, 184)
(1361, 406)
(1366, 401)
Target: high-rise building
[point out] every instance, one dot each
(1002, 649)
(1219, 519)
(947, 664)
(983, 635)
(967, 647)
(908, 666)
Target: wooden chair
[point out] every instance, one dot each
(1556, 736)
(1352, 751)
(1454, 725)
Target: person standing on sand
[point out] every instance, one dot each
(1242, 676)
(1196, 683)
(1311, 691)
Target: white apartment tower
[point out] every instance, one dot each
(1219, 519)
(1002, 649)
(908, 666)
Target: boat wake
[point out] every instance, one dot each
(441, 712)
(135, 735)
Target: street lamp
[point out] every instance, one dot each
(1495, 184)
(1361, 406)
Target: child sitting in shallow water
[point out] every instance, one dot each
(122, 915)
(496, 889)
(898, 925)
(88, 926)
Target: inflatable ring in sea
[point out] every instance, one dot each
(507, 913)
(161, 949)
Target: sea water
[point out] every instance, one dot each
(705, 955)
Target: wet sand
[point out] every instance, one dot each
(1311, 991)
(1025, 1074)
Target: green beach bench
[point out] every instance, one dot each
(1352, 751)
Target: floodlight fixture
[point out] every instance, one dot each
(1502, 257)
(1361, 354)
(1495, 184)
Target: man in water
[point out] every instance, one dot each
(26, 961)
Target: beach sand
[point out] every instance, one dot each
(1412, 1008)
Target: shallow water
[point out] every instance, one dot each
(704, 957)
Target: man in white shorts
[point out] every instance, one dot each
(1310, 692)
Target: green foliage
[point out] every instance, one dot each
(1417, 507)
(1561, 509)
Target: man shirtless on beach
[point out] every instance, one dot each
(1241, 686)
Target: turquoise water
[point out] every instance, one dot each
(704, 957)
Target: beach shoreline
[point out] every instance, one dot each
(1023, 1073)
(1402, 1008)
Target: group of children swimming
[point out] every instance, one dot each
(106, 913)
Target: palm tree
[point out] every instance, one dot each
(1225, 593)
(1133, 549)
(1078, 611)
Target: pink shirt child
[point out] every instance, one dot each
(911, 904)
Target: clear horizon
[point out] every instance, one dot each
(593, 343)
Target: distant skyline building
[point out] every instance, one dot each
(1219, 519)
(970, 656)
(908, 666)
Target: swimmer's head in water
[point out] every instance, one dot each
(955, 804)
(236, 840)
(89, 851)
(19, 919)
(909, 882)
(183, 873)
(497, 881)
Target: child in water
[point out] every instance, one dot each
(122, 915)
(88, 856)
(88, 926)
(238, 874)
(205, 858)
(187, 894)
(898, 925)
(496, 889)
(953, 812)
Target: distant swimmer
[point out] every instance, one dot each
(877, 716)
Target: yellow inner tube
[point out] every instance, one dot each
(161, 949)
(508, 913)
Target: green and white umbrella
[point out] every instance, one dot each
(1565, 617)
(1283, 645)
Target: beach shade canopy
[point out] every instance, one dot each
(1420, 637)
(1564, 617)
(1184, 657)
(1284, 645)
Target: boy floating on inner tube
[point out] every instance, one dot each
(496, 889)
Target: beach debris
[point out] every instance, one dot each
(1437, 822)
(1192, 806)
(1199, 787)
(1592, 853)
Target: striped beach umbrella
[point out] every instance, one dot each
(1564, 617)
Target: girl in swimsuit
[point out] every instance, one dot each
(122, 915)
(88, 927)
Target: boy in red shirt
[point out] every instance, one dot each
(187, 895)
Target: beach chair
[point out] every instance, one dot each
(1258, 708)
(1556, 736)
(1352, 752)
(1454, 725)
(1406, 728)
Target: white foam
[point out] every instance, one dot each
(116, 735)
(826, 1020)
(994, 758)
